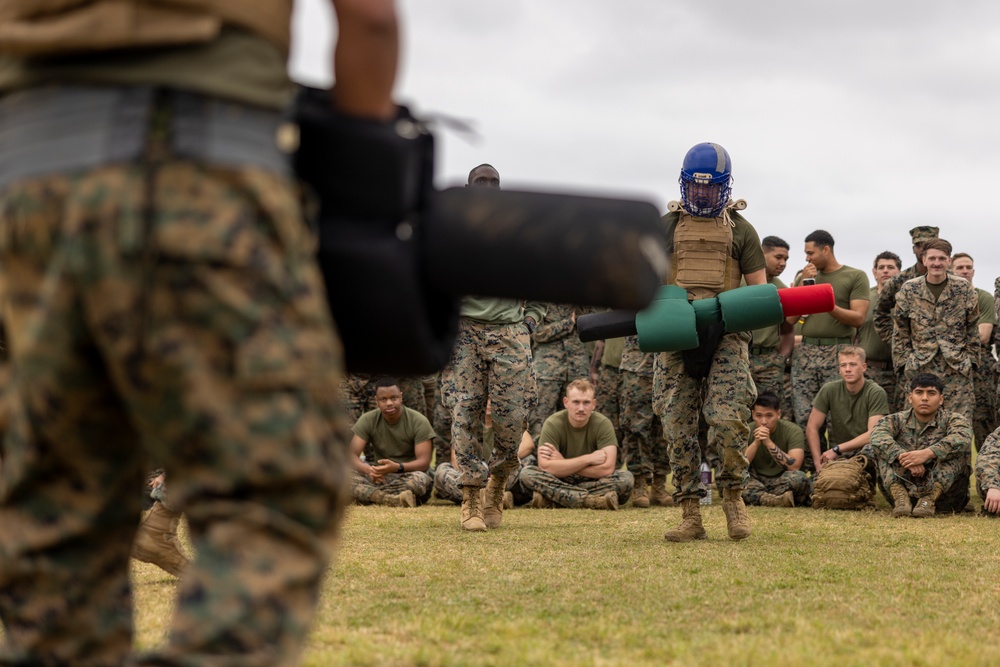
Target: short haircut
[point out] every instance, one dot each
(936, 244)
(582, 385)
(921, 380)
(853, 351)
(890, 255)
(480, 166)
(772, 242)
(957, 255)
(386, 381)
(768, 399)
(820, 237)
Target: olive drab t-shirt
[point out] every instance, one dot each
(768, 336)
(787, 436)
(849, 284)
(987, 307)
(847, 415)
(394, 441)
(868, 339)
(573, 442)
(238, 65)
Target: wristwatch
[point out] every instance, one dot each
(401, 470)
(836, 449)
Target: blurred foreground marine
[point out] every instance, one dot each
(159, 286)
(713, 247)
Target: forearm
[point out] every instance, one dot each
(851, 318)
(812, 439)
(780, 457)
(551, 331)
(366, 57)
(856, 443)
(563, 467)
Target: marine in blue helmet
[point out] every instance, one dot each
(712, 247)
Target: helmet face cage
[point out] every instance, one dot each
(706, 180)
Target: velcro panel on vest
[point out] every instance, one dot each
(669, 324)
(751, 307)
(610, 324)
(807, 299)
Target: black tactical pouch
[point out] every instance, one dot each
(698, 362)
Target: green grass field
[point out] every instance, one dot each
(582, 587)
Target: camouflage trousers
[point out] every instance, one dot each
(609, 396)
(985, 411)
(572, 490)
(442, 426)
(953, 475)
(959, 389)
(812, 367)
(767, 368)
(724, 398)
(446, 484)
(885, 378)
(795, 481)
(393, 484)
(171, 314)
(489, 361)
(643, 446)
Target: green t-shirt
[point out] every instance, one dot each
(745, 250)
(238, 65)
(394, 441)
(787, 436)
(573, 442)
(769, 336)
(613, 348)
(849, 284)
(495, 310)
(868, 339)
(987, 307)
(847, 415)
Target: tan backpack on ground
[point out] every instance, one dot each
(843, 484)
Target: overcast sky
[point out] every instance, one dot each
(861, 118)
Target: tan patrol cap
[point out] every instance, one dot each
(921, 234)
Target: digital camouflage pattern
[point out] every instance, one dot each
(985, 390)
(678, 401)
(939, 336)
(609, 400)
(643, 447)
(988, 465)
(446, 484)
(886, 378)
(572, 490)
(488, 361)
(948, 435)
(363, 490)
(173, 315)
(885, 307)
(795, 481)
(558, 357)
(767, 368)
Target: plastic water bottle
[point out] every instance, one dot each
(706, 481)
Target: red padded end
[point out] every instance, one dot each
(807, 300)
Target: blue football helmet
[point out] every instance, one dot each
(706, 180)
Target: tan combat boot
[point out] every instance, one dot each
(659, 494)
(640, 493)
(901, 501)
(508, 500)
(737, 519)
(609, 501)
(404, 499)
(539, 502)
(156, 540)
(493, 501)
(786, 499)
(690, 527)
(472, 511)
(926, 504)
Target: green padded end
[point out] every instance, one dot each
(751, 307)
(668, 324)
